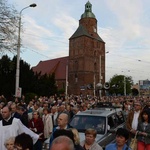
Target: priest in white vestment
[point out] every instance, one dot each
(10, 127)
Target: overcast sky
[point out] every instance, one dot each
(123, 25)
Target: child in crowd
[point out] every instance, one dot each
(9, 143)
(23, 141)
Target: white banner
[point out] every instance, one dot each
(19, 91)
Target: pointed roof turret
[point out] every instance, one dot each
(88, 11)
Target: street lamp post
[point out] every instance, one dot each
(66, 91)
(99, 85)
(100, 73)
(125, 84)
(17, 89)
(125, 92)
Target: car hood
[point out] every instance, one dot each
(98, 137)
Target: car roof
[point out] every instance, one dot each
(97, 112)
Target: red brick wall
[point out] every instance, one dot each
(84, 52)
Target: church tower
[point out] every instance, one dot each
(86, 64)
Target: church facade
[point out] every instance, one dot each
(84, 68)
(86, 55)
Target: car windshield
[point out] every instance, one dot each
(82, 122)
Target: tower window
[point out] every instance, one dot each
(76, 78)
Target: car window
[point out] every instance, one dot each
(81, 123)
(120, 118)
(116, 119)
(111, 122)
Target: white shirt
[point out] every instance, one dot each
(135, 120)
(13, 130)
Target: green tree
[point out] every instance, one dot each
(7, 80)
(135, 92)
(47, 85)
(8, 27)
(30, 82)
(117, 83)
(26, 75)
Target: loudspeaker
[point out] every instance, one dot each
(106, 85)
(99, 86)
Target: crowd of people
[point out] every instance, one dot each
(44, 117)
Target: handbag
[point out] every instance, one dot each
(133, 144)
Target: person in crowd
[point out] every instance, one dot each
(30, 107)
(9, 143)
(147, 106)
(84, 107)
(1, 106)
(62, 124)
(48, 124)
(133, 118)
(24, 116)
(76, 139)
(122, 136)
(69, 111)
(10, 126)
(54, 114)
(73, 136)
(89, 143)
(23, 141)
(76, 110)
(45, 105)
(14, 111)
(9, 103)
(143, 131)
(62, 143)
(126, 109)
(62, 109)
(30, 110)
(37, 126)
(3, 99)
(23, 103)
(0, 116)
(37, 107)
(116, 103)
(64, 132)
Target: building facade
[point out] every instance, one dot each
(144, 87)
(86, 64)
(84, 68)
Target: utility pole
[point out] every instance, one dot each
(125, 86)
(100, 74)
(17, 88)
(66, 93)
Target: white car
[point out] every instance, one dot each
(102, 120)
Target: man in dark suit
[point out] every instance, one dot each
(24, 116)
(14, 112)
(62, 121)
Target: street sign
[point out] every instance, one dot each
(19, 91)
(82, 87)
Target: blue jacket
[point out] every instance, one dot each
(114, 147)
(52, 135)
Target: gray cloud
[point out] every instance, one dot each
(127, 33)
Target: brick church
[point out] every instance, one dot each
(84, 68)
